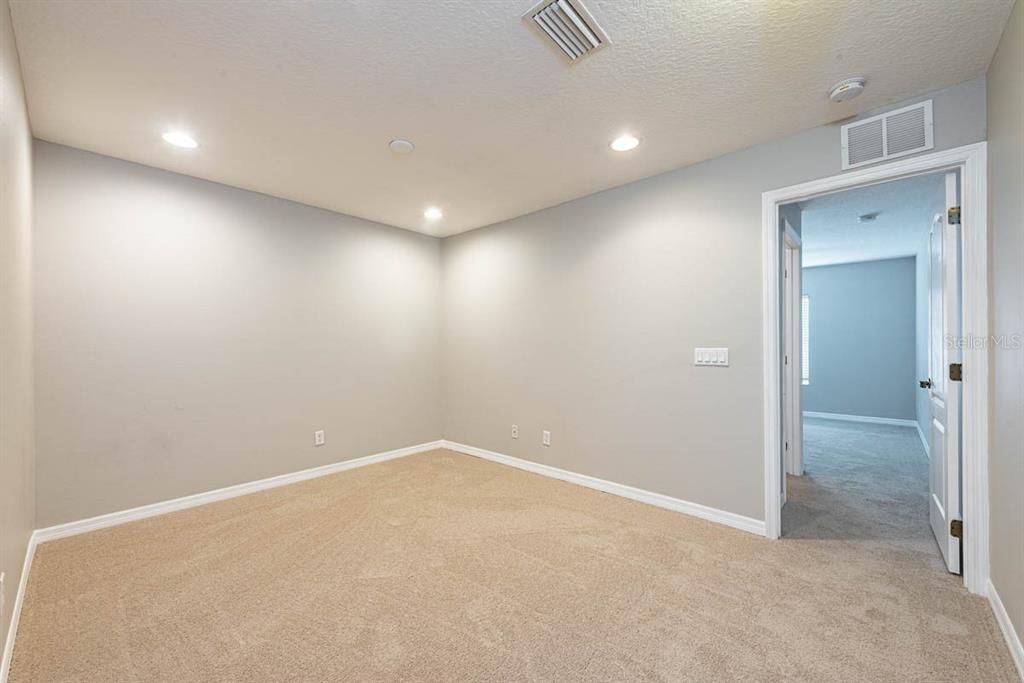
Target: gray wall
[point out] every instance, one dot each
(582, 319)
(191, 336)
(863, 338)
(17, 489)
(1006, 211)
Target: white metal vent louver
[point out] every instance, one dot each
(569, 26)
(889, 135)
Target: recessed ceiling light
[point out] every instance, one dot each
(400, 146)
(180, 139)
(624, 143)
(432, 213)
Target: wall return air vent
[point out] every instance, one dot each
(888, 136)
(568, 27)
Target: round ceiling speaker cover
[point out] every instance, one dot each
(846, 90)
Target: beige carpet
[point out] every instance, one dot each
(443, 567)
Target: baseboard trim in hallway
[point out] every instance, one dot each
(748, 524)
(133, 514)
(1006, 626)
(862, 418)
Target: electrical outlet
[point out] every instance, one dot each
(318, 438)
(545, 438)
(515, 431)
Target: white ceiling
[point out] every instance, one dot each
(299, 99)
(832, 234)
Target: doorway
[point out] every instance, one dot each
(956, 472)
(872, 263)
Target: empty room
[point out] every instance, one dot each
(561, 340)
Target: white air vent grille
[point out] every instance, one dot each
(568, 26)
(864, 143)
(887, 136)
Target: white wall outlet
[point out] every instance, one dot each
(515, 431)
(545, 437)
(318, 438)
(711, 356)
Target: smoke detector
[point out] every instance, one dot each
(846, 90)
(567, 26)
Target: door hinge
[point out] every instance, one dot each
(956, 528)
(956, 372)
(953, 215)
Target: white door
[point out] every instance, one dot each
(944, 393)
(787, 356)
(792, 446)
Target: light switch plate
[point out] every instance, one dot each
(718, 357)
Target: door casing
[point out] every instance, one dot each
(971, 161)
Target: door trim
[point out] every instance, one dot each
(971, 161)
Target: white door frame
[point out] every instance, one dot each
(971, 161)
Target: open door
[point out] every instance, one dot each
(943, 385)
(792, 366)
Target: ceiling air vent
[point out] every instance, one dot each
(889, 135)
(569, 26)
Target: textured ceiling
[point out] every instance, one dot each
(299, 99)
(905, 208)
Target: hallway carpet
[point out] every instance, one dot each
(444, 567)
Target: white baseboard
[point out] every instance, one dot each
(754, 526)
(862, 418)
(12, 631)
(924, 439)
(1006, 626)
(124, 516)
